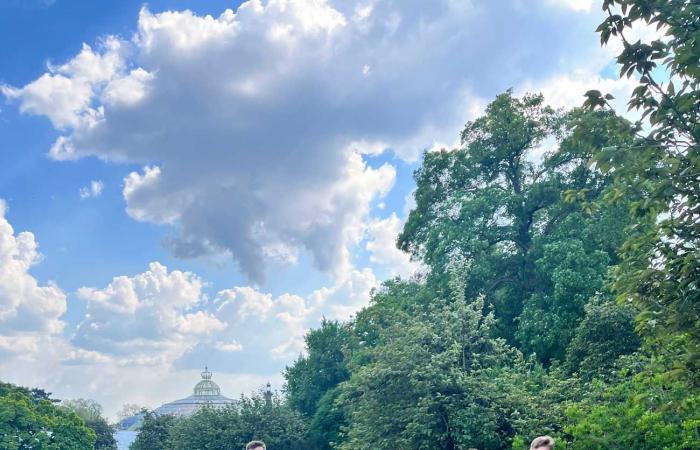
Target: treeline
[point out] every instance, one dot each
(232, 427)
(562, 293)
(31, 419)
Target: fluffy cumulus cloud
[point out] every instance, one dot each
(142, 338)
(29, 313)
(158, 317)
(251, 126)
(265, 332)
(66, 93)
(149, 318)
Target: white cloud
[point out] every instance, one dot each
(80, 356)
(228, 346)
(346, 297)
(127, 90)
(270, 330)
(245, 122)
(29, 312)
(382, 246)
(65, 93)
(567, 90)
(93, 190)
(137, 328)
(245, 302)
(147, 318)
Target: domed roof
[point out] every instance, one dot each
(206, 393)
(206, 386)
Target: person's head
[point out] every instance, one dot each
(255, 445)
(542, 443)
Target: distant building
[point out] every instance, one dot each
(206, 393)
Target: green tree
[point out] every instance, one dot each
(478, 203)
(91, 413)
(498, 206)
(440, 380)
(571, 274)
(659, 175)
(328, 421)
(323, 367)
(312, 380)
(393, 299)
(34, 422)
(249, 418)
(154, 433)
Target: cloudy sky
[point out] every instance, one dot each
(187, 183)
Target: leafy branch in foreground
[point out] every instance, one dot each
(659, 175)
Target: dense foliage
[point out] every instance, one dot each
(637, 412)
(428, 386)
(498, 205)
(322, 369)
(232, 427)
(91, 413)
(660, 269)
(30, 420)
(514, 313)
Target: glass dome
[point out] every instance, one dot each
(206, 393)
(206, 386)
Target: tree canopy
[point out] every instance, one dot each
(247, 419)
(29, 420)
(91, 413)
(498, 205)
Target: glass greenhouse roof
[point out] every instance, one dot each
(206, 393)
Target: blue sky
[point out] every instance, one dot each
(204, 182)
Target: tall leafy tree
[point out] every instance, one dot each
(498, 206)
(388, 304)
(424, 386)
(320, 370)
(154, 433)
(311, 382)
(29, 422)
(660, 174)
(438, 379)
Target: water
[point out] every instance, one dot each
(124, 439)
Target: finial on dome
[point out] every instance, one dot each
(206, 387)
